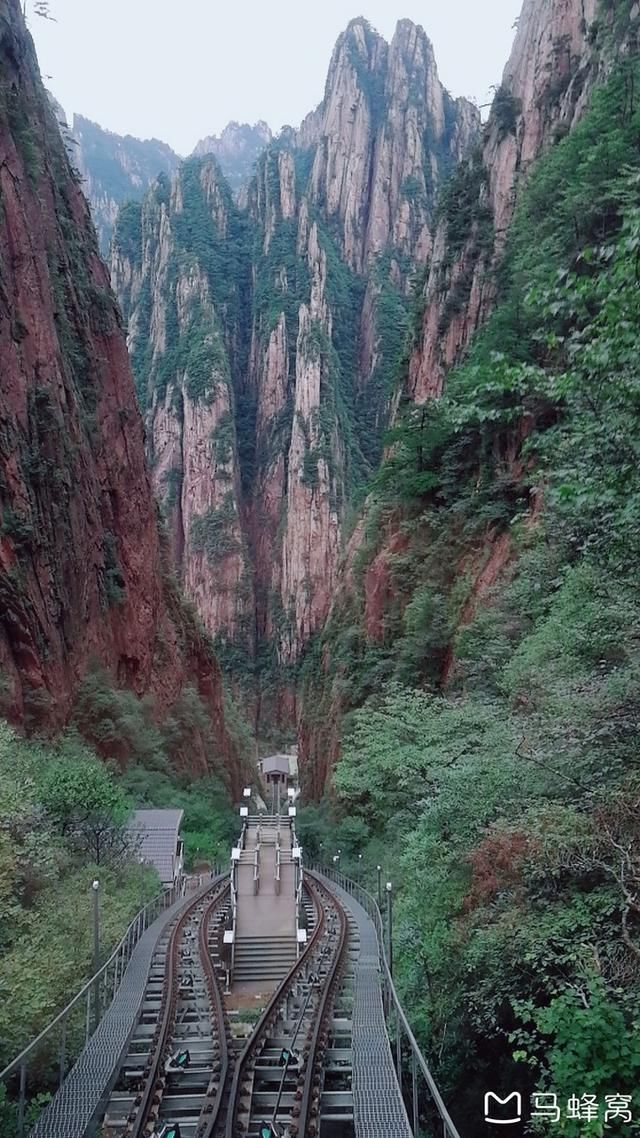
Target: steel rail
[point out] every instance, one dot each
(210, 1112)
(264, 1022)
(305, 1126)
(148, 1097)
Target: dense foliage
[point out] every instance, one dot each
(64, 806)
(493, 755)
(62, 817)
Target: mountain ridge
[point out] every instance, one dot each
(329, 219)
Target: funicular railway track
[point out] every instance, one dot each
(277, 1080)
(178, 1080)
(172, 1058)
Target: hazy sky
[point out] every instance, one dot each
(181, 69)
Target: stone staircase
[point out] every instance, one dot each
(258, 958)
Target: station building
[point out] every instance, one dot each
(155, 835)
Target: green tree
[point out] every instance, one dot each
(84, 803)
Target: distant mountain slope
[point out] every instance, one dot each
(237, 150)
(116, 169)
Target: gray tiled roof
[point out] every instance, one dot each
(155, 833)
(276, 763)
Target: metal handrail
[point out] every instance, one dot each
(234, 919)
(370, 906)
(123, 949)
(278, 860)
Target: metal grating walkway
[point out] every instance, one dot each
(378, 1107)
(74, 1109)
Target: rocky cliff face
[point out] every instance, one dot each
(178, 267)
(237, 149)
(544, 92)
(338, 216)
(84, 578)
(384, 138)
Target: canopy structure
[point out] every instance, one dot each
(277, 768)
(156, 835)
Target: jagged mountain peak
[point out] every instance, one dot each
(361, 31)
(358, 44)
(409, 39)
(408, 32)
(385, 135)
(237, 148)
(270, 351)
(412, 48)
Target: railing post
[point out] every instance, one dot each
(414, 1090)
(399, 1048)
(390, 927)
(62, 1058)
(22, 1099)
(86, 1029)
(96, 953)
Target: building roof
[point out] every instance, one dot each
(273, 764)
(155, 833)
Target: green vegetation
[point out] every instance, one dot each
(505, 110)
(112, 582)
(16, 111)
(62, 814)
(214, 533)
(64, 805)
(223, 438)
(129, 731)
(490, 752)
(128, 231)
(462, 206)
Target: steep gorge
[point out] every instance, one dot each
(85, 578)
(460, 650)
(280, 316)
(407, 590)
(469, 715)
